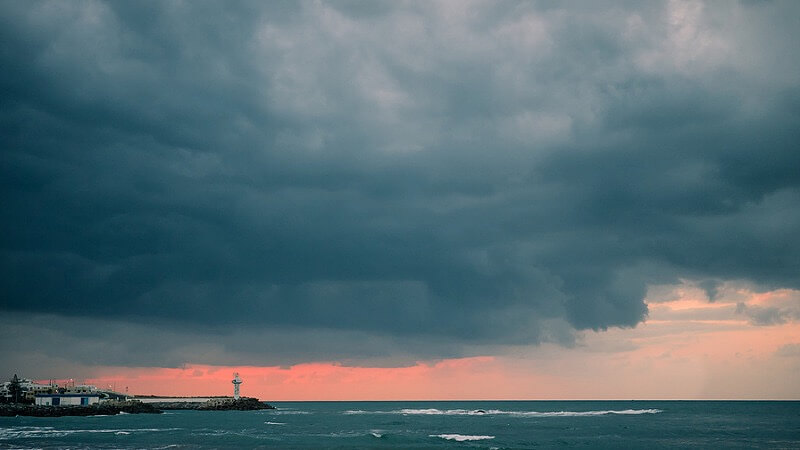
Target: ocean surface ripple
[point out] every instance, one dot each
(481, 424)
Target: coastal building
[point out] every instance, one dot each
(28, 389)
(33, 389)
(84, 399)
(81, 389)
(51, 393)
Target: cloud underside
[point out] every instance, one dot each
(418, 178)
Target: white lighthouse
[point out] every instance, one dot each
(236, 382)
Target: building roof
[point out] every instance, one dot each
(88, 394)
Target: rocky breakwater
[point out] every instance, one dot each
(109, 408)
(217, 404)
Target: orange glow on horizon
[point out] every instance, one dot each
(445, 379)
(689, 348)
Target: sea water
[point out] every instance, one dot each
(474, 424)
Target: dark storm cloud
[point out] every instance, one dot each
(430, 176)
(768, 315)
(711, 288)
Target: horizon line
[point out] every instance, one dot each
(561, 400)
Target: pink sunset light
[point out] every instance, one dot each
(688, 348)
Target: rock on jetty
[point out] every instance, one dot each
(217, 404)
(98, 409)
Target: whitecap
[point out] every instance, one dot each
(50, 432)
(344, 434)
(288, 412)
(489, 412)
(432, 411)
(275, 423)
(583, 413)
(461, 437)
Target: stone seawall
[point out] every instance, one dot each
(217, 404)
(111, 408)
(98, 409)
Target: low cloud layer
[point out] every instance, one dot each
(426, 177)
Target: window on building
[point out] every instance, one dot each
(84, 401)
(56, 401)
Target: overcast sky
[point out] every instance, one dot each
(378, 183)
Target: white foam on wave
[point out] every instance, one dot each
(447, 412)
(288, 412)
(275, 423)
(344, 434)
(429, 411)
(481, 412)
(50, 432)
(461, 437)
(377, 433)
(586, 413)
(434, 411)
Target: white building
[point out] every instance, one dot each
(81, 389)
(28, 389)
(85, 399)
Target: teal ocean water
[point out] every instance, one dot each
(484, 424)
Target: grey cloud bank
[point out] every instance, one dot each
(386, 180)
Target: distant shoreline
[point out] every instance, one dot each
(180, 396)
(112, 408)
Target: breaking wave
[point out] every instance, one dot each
(589, 413)
(51, 432)
(286, 412)
(498, 412)
(461, 437)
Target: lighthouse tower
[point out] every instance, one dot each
(236, 382)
